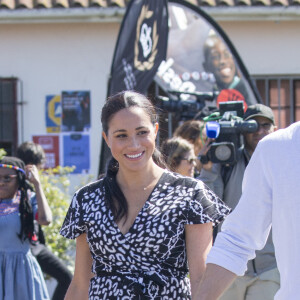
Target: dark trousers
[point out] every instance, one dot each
(54, 267)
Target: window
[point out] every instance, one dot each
(282, 94)
(8, 115)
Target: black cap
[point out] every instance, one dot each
(259, 110)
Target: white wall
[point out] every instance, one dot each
(267, 47)
(50, 58)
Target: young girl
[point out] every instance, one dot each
(20, 275)
(139, 228)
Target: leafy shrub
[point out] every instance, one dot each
(55, 183)
(2, 152)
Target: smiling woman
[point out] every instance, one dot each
(138, 228)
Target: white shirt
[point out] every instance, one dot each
(271, 197)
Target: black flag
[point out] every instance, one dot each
(141, 46)
(201, 59)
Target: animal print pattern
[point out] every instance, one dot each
(149, 261)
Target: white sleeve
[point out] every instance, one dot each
(247, 228)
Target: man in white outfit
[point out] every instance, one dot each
(271, 197)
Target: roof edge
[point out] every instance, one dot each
(115, 14)
(62, 15)
(278, 13)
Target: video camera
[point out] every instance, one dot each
(227, 131)
(185, 103)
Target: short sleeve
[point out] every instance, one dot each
(205, 206)
(73, 226)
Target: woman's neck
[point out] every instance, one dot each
(138, 180)
(9, 198)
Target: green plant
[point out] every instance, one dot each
(2, 152)
(56, 184)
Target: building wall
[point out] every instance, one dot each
(50, 58)
(267, 47)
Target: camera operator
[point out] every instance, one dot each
(261, 280)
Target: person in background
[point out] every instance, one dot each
(136, 234)
(270, 198)
(219, 61)
(179, 156)
(20, 274)
(262, 279)
(34, 157)
(194, 132)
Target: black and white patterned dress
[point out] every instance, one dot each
(149, 261)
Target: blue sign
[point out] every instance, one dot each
(76, 152)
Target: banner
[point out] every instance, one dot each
(141, 46)
(202, 61)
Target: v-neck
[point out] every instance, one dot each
(145, 205)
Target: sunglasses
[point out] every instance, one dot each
(190, 160)
(7, 178)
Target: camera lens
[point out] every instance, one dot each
(223, 152)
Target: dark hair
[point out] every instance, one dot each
(191, 130)
(26, 213)
(173, 151)
(126, 99)
(31, 153)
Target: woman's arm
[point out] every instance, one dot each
(198, 244)
(44, 211)
(215, 281)
(79, 287)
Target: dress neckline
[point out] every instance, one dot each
(145, 206)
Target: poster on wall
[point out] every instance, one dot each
(50, 144)
(53, 113)
(76, 152)
(76, 111)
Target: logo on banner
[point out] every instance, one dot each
(147, 41)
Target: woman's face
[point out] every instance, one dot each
(131, 138)
(8, 183)
(187, 165)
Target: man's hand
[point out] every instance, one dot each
(203, 152)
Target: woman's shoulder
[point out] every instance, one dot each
(91, 189)
(176, 179)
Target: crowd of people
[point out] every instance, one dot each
(144, 230)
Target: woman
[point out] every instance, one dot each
(134, 228)
(179, 156)
(20, 275)
(194, 132)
